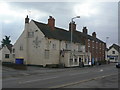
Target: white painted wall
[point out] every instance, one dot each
(34, 48)
(4, 51)
(21, 42)
(109, 53)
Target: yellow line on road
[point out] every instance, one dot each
(74, 83)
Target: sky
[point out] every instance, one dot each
(99, 17)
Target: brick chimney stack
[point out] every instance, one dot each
(27, 19)
(51, 22)
(73, 26)
(94, 34)
(85, 30)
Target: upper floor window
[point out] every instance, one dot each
(54, 46)
(96, 45)
(88, 40)
(13, 55)
(113, 52)
(21, 47)
(6, 55)
(13, 50)
(30, 34)
(67, 46)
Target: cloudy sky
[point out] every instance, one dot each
(101, 17)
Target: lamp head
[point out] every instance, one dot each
(77, 16)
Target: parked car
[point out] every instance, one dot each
(118, 65)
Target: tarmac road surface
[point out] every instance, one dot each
(103, 76)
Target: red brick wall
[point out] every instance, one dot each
(51, 22)
(98, 51)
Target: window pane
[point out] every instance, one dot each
(6, 55)
(113, 52)
(13, 50)
(21, 48)
(30, 34)
(46, 54)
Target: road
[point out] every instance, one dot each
(88, 77)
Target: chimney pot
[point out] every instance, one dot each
(27, 19)
(94, 34)
(72, 26)
(85, 30)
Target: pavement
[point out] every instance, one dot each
(104, 76)
(31, 70)
(8, 72)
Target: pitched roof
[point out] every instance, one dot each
(89, 37)
(115, 47)
(61, 34)
(9, 47)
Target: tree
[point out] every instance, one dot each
(6, 41)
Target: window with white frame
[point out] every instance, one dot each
(46, 54)
(100, 45)
(96, 45)
(54, 46)
(30, 34)
(93, 44)
(88, 42)
(13, 50)
(7, 56)
(113, 52)
(13, 55)
(21, 47)
(67, 46)
(79, 47)
(103, 47)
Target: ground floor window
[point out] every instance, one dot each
(75, 60)
(6, 55)
(112, 58)
(46, 54)
(85, 60)
(71, 61)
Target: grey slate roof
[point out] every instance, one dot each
(61, 34)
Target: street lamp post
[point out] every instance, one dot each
(107, 40)
(72, 32)
(106, 49)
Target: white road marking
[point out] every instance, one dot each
(36, 80)
(101, 70)
(86, 80)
